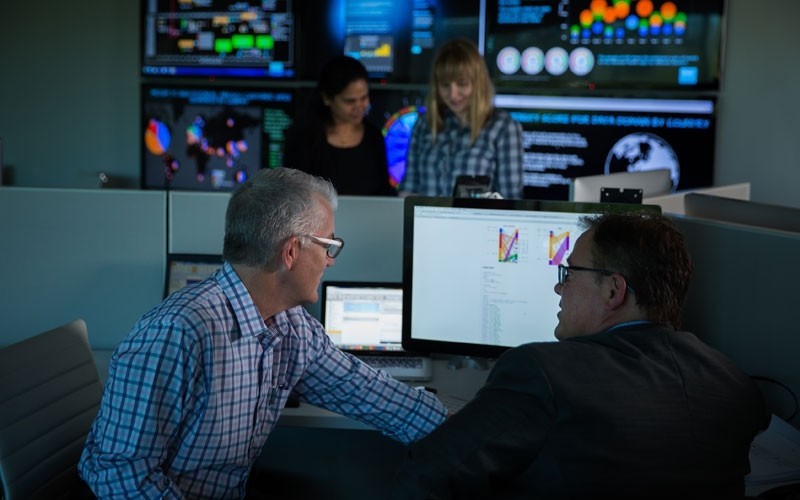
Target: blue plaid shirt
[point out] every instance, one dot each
(198, 384)
(432, 168)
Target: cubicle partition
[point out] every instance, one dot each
(100, 255)
(743, 301)
(69, 253)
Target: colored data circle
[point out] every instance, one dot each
(556, 61)
(508, 60)
(157, 137)
(532, 60)
(397, 135)
(581, 61)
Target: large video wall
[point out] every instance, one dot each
(223, 80)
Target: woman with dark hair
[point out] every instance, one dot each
(334, 141)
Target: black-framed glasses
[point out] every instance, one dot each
(564, 272)
(333, 246)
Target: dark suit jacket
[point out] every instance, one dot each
(636, 412)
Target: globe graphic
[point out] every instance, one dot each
(643, 151)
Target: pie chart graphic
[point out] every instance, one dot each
(157, 137)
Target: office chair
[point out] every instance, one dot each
(49, 395)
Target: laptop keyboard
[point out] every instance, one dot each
(452, 403)
(402, 367)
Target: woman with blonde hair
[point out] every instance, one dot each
(462, 133)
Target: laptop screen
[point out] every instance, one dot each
(185, 269)
(362, 317)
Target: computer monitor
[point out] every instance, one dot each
(479, 273)
(211, 138)
(363, 317)
(749, 213)
(605, 44)
(650, 182)
(570, 136)
(216, 38)
(185, 269)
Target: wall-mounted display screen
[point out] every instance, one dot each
(566, 137)
(394, 39)
(605, 44)
(218, 38)
(211, 139)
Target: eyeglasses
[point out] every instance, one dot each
(564, 272)
(333, 246)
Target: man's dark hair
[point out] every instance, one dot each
(649, 250)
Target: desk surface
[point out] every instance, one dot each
(462, 381)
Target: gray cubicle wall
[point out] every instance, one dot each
(744, 300)
(69, 253)
(372, 228)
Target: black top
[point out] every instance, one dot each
(359, 170)
(637, 412)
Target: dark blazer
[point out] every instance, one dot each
(636, 412)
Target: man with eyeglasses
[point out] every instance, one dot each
(623, 406)
(197, 386)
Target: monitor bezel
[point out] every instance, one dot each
(411, 343)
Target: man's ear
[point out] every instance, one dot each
(617, 290)
(290, 252)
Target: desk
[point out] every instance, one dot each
(463, 381)
(314, 453)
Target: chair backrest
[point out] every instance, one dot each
(50, 392)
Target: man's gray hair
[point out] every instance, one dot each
(269, 208)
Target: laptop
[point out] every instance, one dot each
(185, 269)
(366, 319)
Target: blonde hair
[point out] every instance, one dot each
(456, 60)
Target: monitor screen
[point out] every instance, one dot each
(185, 269)
(218, 38)
(479, 273)
(394, 39)
(567, 136)
(363, 317)
(211, 139)
(605, 44)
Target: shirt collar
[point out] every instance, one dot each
(244, 309)
(629, 323)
